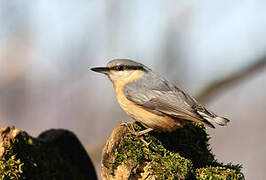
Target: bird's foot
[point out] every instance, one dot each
(130, 127)
(133, 131)
(138, 134)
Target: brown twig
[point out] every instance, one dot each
(217, 86)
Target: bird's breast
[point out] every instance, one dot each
(156, 121)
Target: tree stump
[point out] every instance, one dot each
(182, 154)
(55, 154)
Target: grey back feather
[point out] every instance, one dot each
(155, 93)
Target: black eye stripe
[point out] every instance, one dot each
(134, 67)
(125, 67)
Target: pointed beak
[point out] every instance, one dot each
(103, 70)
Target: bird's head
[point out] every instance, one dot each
(121, 69)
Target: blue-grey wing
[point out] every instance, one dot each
(156, 94)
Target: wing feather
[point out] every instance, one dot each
(170, 101)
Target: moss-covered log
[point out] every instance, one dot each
(55, 154)
(182, 154)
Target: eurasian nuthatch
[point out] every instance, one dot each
(153, 101)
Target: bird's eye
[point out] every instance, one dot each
(120, 68)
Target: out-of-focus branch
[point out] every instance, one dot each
(217, 86)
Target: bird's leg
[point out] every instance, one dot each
(129, 127)
(143, 132)
(138, 134)
(132, 130)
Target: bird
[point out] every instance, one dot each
(152, 100)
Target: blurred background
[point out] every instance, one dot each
(213, 50)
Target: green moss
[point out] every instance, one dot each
(27, 150)
(10, 168)
(219, 173)
(163, 162)
(51, 156)
(182, 154)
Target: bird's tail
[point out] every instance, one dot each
(213, 118)
(221, 121)
(207, 116)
